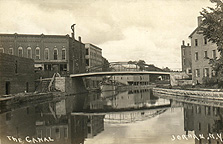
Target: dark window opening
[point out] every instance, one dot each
(63, 67)
(205, 41)
(196, 42)
(7, 88)
(47, 67)
(87, 52)
(8, 116)
(55, 54)
(87, 62)
(16, 66)
(27, 87)
(63, 54)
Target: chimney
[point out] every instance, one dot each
(79, 38)
(199, 20)
(183, 43)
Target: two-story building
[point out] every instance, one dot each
(51, 53)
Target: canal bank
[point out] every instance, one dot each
(201, 94)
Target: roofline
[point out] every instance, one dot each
(190, 36)
(93, 45)
(34, 35)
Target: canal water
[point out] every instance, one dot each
(126, 117)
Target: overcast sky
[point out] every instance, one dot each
(151, 30)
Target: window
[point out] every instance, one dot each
(8, 116)
(87, 62)
(48, 132)
(196, 55)
(55, 53)
(11, 51)
(207, 110)
(37, 53)
(196, 42)
(199, 126)
(213, 73)
(209, 128)
(47, 67)
(184, 61)
(214, 54)
(29, 52)
(205, 41)
(63, 54)
(206, 72)
(183, 51)
(65, 133)
(197, 73)
(87, 51)
(46, 54)
(20, 51)
(16, 66)
(63, 67)
(205, 54)
(39, 133)
(1, 50)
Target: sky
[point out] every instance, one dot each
(150, 30)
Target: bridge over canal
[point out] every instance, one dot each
(112, 73)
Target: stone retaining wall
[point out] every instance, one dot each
(189, 93)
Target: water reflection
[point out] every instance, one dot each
(122, 101)
(204, 120)
(134, 116)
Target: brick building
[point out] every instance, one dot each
(94, 63)
(201, 52)
(186, 58)
(93, 57)
(16, 74)
(51, 53)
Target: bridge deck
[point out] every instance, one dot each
(119, 73)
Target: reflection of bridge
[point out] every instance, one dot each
(127, 116)
(120, 73)
(133, 116)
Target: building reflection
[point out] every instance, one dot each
(126, 100)
(56, 120)
(133, 116)
(203, 120)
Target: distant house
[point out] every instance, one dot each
(16, 74)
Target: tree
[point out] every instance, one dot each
(141, 64)
(212, 28)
